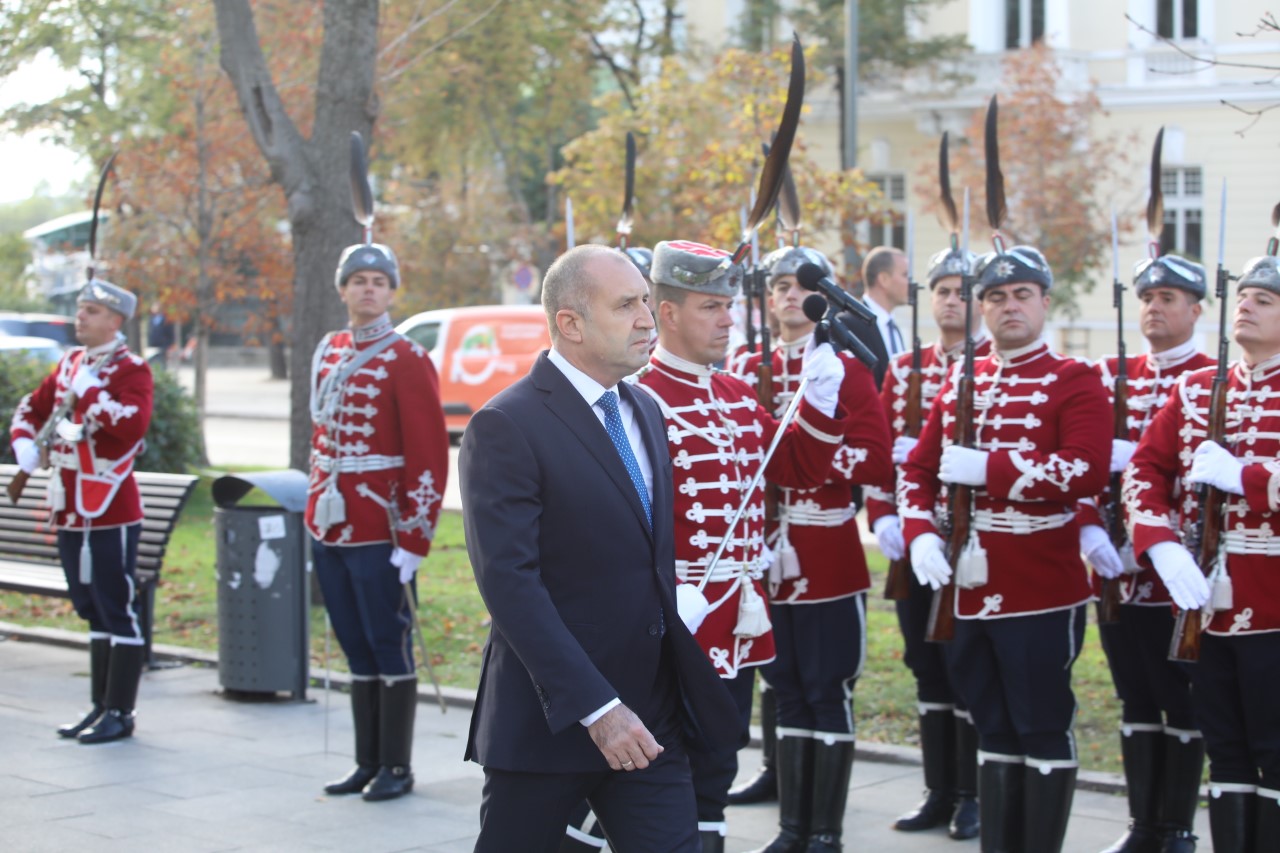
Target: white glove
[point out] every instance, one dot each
(692, 605)
(1182, 577)
(1121, 452)
(27, 454)
(888, 531)
(83, 380)
(825, 371)
(963, 465)
(407, 562)
(902, 446)
(1096, 546)
(1213, 465)
(929, 560)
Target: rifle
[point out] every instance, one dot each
(45, 436)
(1206, 540)
(629, 180)
(897, 583)
(1109, 600)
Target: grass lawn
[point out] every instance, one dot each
(455, 625)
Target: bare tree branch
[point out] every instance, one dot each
(1206, 61)
(432, 48)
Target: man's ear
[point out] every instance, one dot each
(667, 315)
(569, 324)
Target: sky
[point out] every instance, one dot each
(26, 161)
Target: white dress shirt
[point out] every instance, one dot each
(883, 319)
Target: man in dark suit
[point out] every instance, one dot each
(591, 685)
(884, 275)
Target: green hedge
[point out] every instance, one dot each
(175, 442)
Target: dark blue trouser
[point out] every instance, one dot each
(369, 608)
(1152, 688)
(1235, 690)
(927, 661)
(821, 648)
(107, 602)
(1014, 675)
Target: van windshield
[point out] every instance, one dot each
(424, 335)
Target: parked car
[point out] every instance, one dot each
(59, 327)
(44, 350)
(478, 351)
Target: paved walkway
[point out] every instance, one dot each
(208, 773)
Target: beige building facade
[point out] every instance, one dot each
(1143, 83)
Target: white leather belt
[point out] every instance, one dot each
(809, 515)
(1251, 542)
(356, 464)
(70, 462)
(1010, 521)
(726, 570)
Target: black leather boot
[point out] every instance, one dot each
(794, 763)
(712, 841)
(364, 713)
(1233, 816)
(123, 675)
(964, 819)
(397, 703)
(1179, 783)
(832, 767)
(762, 787)
(1143, 753)
(1267, 831)
(99, 662)
(1047, 807)
(1000, 805)
(937, 744)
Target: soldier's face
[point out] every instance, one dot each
(367, 295)
(1257, 323)
(1168, 316)
(786, 297)
(948, 307)
(1015, 313)
(614, 335)
(96, 324)
(698, 328)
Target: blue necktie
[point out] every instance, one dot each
(608, 404)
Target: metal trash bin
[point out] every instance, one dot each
(263, 587)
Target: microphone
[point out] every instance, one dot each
(836, 330)
(811, 278)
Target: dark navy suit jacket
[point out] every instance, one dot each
(581, 591)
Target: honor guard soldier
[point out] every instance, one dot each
(379, 459)
(1040, 446)
(1160, 742)
(818, 580)
(98, 403)
(718, 433)
(948, 741)
(1234, 690)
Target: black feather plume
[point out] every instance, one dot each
(996, 208)
(789, 203)
(944, 188)
(361, 194)
(1155, 201)
(772, 174)
(97, 206)
(629, 186)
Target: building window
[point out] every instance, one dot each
(1176, 19)
(892, 231)
(1183, 188)
(1023, 22)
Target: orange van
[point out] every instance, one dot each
(478, 351)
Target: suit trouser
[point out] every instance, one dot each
(368, 607)
(821, 648)
(642, 811)
(1235, 690)
(1015, 677)
(1152, 688)
(106, 602)
(714, 770)
(927, 661)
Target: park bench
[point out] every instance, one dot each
(29, 549)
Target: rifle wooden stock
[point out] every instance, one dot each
(942, 612)
(16, 486)
(1109, 600)
(897, 583)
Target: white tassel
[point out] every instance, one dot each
(1127, 558)
(1221, 597)
(86, 561)
(971, 568)
(331, 509)
(753, 616)
(55, 495)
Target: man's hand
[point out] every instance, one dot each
(888, 531)
(929, 560)
(825, 371)
(1121, 452)
(1096, 546)
(963, 465)
(27, 454)
(1213, 465)
(1182, 577)
(902, 447)
(407, 562)
(83, 380)
(623, 740)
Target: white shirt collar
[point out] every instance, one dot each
(590, 389)
(1174, 355)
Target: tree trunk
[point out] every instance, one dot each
(312, 172)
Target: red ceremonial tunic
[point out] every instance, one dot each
(1043, 419)
(379, 440)
(717, 434)
(819, 522)
(935, 362)
(1162, 506)
(115, 417)
(1151, 378)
